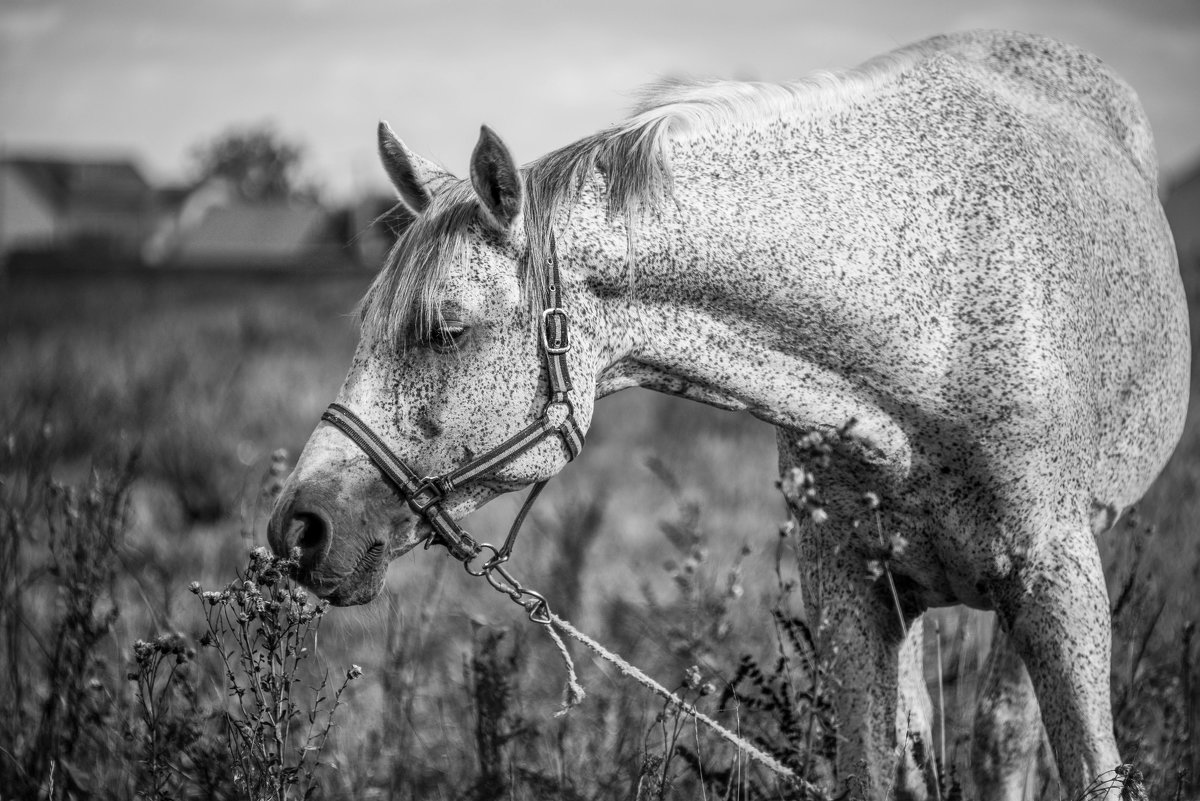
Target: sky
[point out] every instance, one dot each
(152, 79)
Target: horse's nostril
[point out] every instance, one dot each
(309, 533)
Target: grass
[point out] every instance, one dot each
(663, 541)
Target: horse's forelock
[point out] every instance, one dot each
(402, 303)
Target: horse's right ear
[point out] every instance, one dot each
(410, 173)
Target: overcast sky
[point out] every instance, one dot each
(152, 78)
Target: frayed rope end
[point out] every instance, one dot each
(573, 693)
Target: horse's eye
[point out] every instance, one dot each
(448, 335)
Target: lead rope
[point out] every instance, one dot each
(736, 740)
(535, 604)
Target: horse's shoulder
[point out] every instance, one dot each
(1054, 81)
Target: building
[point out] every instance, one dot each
(374, 222)
(237, 234)
(102, 207)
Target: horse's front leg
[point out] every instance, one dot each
(1007, 731)
(869, 654)
(1054, 606)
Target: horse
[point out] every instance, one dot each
(958, 246)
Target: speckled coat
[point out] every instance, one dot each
(959, 247)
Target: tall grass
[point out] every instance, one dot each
(663, 541)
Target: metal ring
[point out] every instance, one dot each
(487, 566)
(538, 608)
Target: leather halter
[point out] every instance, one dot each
(425, 495)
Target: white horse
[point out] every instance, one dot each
(958, 245)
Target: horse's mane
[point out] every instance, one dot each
(633, 159)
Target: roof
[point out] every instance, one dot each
(62, 181)
(255, 231)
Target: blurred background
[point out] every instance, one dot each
(187, 199)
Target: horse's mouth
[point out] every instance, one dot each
(363, 582)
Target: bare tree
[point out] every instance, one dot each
(259, 163)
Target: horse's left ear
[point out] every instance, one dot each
(496, 179)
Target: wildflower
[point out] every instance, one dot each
(194, 588)
(870, 500)
(818, 515)
(707, 688)
(353, 673)
(692, 677)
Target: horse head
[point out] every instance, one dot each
(450, 364)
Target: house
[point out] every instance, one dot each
(374, 222)
(102, 207)
(235, 234)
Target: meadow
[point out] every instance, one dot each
(141, 423)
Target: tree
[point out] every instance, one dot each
(257, 162)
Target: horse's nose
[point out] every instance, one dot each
(300, 526)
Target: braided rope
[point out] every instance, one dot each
(736, 740)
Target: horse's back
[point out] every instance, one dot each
(1073, 83)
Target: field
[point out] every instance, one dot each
(138, 421)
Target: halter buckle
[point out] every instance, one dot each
(426, 495)
(555, 350)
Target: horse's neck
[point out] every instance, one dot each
(739, 295)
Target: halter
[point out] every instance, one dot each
(425, 495)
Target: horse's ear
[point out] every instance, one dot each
(496, 179)
(410, 173)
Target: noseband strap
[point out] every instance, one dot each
(424, 495)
